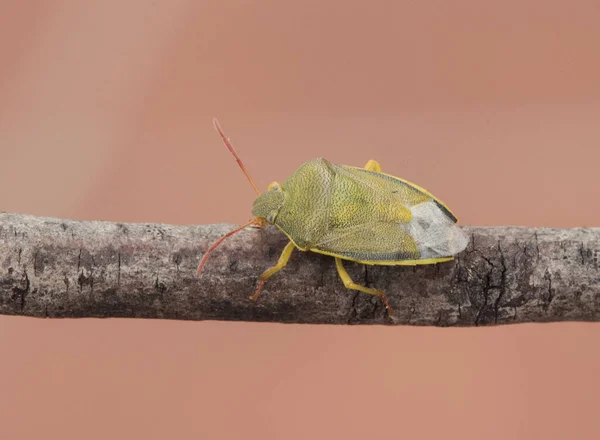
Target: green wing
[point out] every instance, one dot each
(376, 217)
(371, 241)
(391, 188)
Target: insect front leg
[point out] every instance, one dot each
(283, 259)
(373, 165)
(353, 286)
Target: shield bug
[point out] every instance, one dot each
(352, 213)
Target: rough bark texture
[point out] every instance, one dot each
(65, 269)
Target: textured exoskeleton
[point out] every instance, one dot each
(356, 214)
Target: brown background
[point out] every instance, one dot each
(105, 113)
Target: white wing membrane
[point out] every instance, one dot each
(435, 234)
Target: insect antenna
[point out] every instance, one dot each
(220, 240)
(237, 158)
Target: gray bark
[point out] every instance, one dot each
(66, 269)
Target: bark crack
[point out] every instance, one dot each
(22, 292)
(550, 290)
(485, 292)
(502, 283)
(353, 315)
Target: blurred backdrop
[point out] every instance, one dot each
(105, 113)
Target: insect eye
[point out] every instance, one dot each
(274, 186)
(271, 217)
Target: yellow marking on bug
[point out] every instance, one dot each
(373, 165)
(391, 211)
(344, 215)
(283, 259)
(413, 185)
(387, 262)
(349, 284)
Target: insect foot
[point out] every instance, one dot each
(385, 302)
(254, 296)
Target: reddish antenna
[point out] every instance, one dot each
(255, 221)
(237, 158)
(219, 241)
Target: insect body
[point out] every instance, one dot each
(356, 214)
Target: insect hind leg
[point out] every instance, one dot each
(349, 284)
(373, 165)
(283, 259)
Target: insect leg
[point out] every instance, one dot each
(352, 285)
(373, 165)
(283, 259)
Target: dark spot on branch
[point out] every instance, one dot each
(353, 314)
(177, 258)
(85, 280)
(525, 251)
(21, 292)
(35, 263)
(550, 291)
(160, 286)
(375, 302)
(118, 268)
(485, 292)
(502, 283)
(413, 309)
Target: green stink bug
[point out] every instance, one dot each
(355, 214)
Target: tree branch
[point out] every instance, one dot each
(66, 269)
